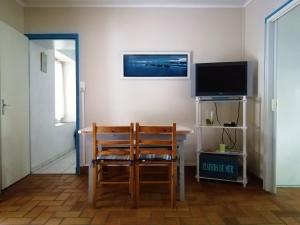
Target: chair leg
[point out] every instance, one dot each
(100, 173)
(170, 180)
(95, 175)
(137, 185)
(132, 185)
(173, 184)
(131, 182)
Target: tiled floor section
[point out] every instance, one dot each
(64, 165)
(62, 199)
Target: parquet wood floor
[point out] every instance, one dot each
(62, 200)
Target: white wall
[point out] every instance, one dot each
(210, 34)
(255, 14)
(47, 140)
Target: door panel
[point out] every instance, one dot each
(287, 86)
(14, 117)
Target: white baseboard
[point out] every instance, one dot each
(52, 159)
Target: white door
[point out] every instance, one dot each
(14, 105)
(287, 86)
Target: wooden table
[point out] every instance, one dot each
(182, 133)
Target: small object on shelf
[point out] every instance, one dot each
(223, 153)
(222, 147)
(231, 124)
(210, 120)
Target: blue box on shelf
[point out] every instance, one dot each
(218, 166)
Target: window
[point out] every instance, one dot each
(59, 92)
(65, 88)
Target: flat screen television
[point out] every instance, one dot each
(221, 79)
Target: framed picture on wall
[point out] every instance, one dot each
(166, 65)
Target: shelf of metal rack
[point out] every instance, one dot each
(239, 179)
(221, 127)
(243, 127)
(223, 153)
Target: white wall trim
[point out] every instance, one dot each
(194, 164)
(128, 6)
(283, 11)
(21, 3)
(247, 3)
(267, 114)
(51, 160)
(64, 4)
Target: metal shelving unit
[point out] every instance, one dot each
(220, 127)
(199, 129)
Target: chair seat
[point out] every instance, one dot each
(114, 157)
(155, 157)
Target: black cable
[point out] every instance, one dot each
(232, 143)
(223, 130)
(216, 108)
(237, 121)
(217, 116)
(238, 113)
(235, 131)
(223, 135)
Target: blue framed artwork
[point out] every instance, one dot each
(156, 65)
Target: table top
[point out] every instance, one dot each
(179, 130)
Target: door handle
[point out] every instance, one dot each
(274, 105)
(3, 105)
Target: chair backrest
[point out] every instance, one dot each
(158, 140)
(105, 137)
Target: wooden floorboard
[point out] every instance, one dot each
(62, 200)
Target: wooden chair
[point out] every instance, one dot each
(156, 146)
(107, 151)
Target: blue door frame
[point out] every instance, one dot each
(75, 37)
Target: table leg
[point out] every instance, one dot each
(90, 184)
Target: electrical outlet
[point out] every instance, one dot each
(82, 86)
(274, 104)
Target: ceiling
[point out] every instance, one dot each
(136, 3)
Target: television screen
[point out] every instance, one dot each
(221, 79)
